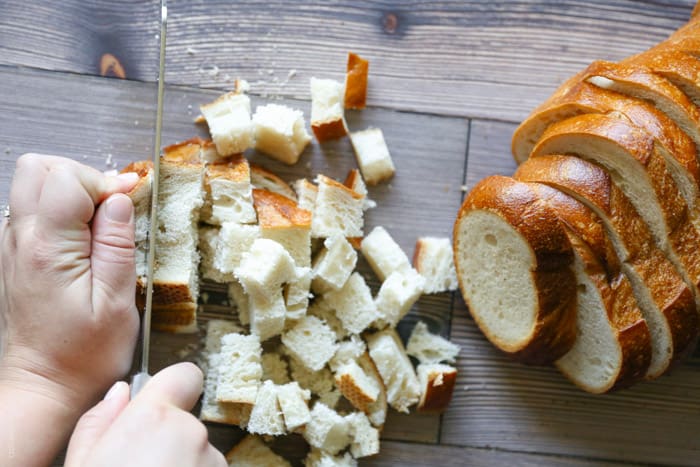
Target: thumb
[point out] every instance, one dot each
(95, 422)
(112, 252)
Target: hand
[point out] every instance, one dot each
(155, 429)
(67, 281)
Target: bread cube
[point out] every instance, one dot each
(327, 113)
(240, 370)
(311, 342)
(356, 82)
(355, 183)
(383, 254)
(267, 313)
(377, 410)
(306, 194)
(280, 132)
(322, 310)
(360, 389)
(229, 123)
(266, 180)
(433, 259)
(437, 382)
(327, 430)
(252, 451)
(372, 155)
(338, 210)
(430, 348)
(238, 299)
(229, 192)
(387, 352)
(266, 416)
(234, 241)
(333, 265)
(319, 458)
(208, 243)
(348, 351)
(365, 437)
(397, 295)
(212, 410)
(353, 304)
(293, 401)
(265, 267)
(216, 329)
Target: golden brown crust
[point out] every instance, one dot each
(676, 66)
(276, 211)
(188, 151)
(591, 185)
(263, 178)
(234, 168)
(370, 369)
(554, 282)
(233, 413)
(331, 129)
(352, 178)
(356, 82)
(174, 317)
(352, 392)
(340, 186)
(587, 236)
(438, 392)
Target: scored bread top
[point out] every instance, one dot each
(234, 168)
(551, 280)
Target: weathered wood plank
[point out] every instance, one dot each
(489, 150)
(495, 59)
(413, 454)
(112, 121)
(498, 403)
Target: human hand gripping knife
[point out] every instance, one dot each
(141, 378)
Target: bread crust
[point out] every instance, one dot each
(676, 66)
(553, 279)
(591, 185)
(356, 82)
(587, 235)
(263, 178)
(329, 129)
(278, 211)
(437, 397)
(640, 147)
(188, 151)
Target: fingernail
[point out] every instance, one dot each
(114, 390)
(119, 208)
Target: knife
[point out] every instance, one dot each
(141, 378)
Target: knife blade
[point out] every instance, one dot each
(141, 378)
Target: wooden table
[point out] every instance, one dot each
(449, 82)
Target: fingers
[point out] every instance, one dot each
(33, 170)
(179, 385)
(95, 422)
(112, 258)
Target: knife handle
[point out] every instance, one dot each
(138, 381)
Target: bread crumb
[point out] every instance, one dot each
(466, 387)
(464, 188)
(191, 50)
(136, 123)
(108, 160)
(186, 351)
(292, 73)
(8, 150)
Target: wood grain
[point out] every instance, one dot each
(494, 60)
(498, 403)
(110, 125)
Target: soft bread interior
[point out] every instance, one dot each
(595, 359)
(495, 268)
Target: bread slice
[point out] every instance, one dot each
(577, 97)
(637, 167)
(427, 347)
(327, 430)
(319, 458)
(437, 382)
(663, 297)
(678, 67)
(280, 132)
(533, 318)
(240, 370)
(356, 82)
(230, 126)
(311, 342)
(333, 265)
(293, 401)
(266, 416)
(252, 451)
(388, 354)
(383, 254)
(372, 155)
(327, 112)
(338, 210)
(140, 195)
(642, 83)
(175, 279)
(353, 304)
(433, 258)
(266, 180)
(397, 295)
(365, 437)
(229, 195)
